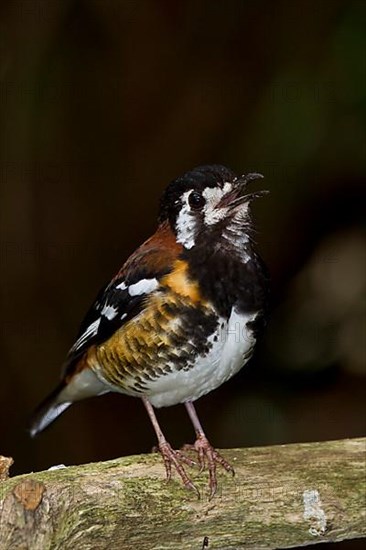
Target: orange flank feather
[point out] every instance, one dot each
(180, 283)
(144, 346)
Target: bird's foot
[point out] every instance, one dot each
(175, 458)
(207, 454)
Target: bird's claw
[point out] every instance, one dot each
(170, 456)
(207, 454)
(207, 457)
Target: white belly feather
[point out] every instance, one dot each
(232, 346)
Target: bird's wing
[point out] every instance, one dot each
(125, 296)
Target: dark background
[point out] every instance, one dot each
(102, 103)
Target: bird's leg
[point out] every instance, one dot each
(205, 450)
(170, 456)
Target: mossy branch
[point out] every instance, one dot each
(281, 497)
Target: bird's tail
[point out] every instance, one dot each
(48, 411)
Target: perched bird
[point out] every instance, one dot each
(180, 317)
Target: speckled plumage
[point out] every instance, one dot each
(158, 340)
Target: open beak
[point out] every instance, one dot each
(237, 195)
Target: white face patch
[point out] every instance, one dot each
(213, 195)
(234, 235)
(145, 286)
(186, 223)
(186, 220)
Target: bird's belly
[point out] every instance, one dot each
(172, 355)
(232, 346)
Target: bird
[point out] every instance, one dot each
(180, 317)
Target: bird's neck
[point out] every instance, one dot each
(230, 276)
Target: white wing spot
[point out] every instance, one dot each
(109, 311)
(145, 286)
(121, 286)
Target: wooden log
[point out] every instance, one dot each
(281, 497)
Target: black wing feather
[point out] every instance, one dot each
(127, 307)
(116, 304)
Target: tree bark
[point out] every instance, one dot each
(281, 497)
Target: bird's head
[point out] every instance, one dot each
(209, 202)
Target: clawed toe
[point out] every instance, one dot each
(223, 462)
(170, 456)
(207, 454)
(207, 457)
(185, 459)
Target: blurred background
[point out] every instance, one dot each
(102, 103)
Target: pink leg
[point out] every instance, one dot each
(170, 456)
(205, 450)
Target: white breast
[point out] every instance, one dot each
(232, 346)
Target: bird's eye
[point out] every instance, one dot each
(196, 200)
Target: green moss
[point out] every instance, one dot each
(262, 506)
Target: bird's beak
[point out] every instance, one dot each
(237, 196)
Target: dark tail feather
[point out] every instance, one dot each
(48, 411)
